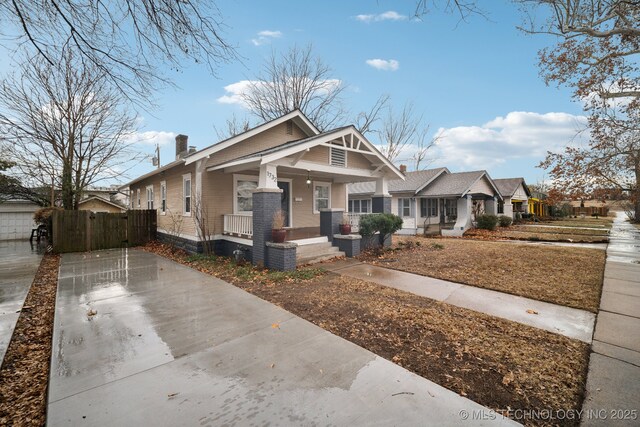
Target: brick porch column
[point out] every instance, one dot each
(330, 222)
(266, 201)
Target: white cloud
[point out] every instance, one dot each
(389, 15)
(384, 64)
(265, 36)
(517, 135)
(152, 137)
(235, 91)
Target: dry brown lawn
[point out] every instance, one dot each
(552, 229)
(560, 275)
(539, 234)
(495, 362)
(582, 222)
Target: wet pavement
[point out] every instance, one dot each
(613, 381)
(19, 262)
(567, 321)
(141, 340)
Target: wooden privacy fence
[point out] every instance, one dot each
(80, 231)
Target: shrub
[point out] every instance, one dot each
(505, 221)
(384, 223)
(42, 215)
(487, 222)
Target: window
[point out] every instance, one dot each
(359, 206)
(321, 196)
(138, 196)
(186, 194)
(451, 207)
(428, 207)
(244, 188)
(500, 207)
(338, 157)
(163, 197)
(150, 197)
(404, 207)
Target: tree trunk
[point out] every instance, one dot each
(67, 186)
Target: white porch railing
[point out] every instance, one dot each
(241, 225)
(354, 220)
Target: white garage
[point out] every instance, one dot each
(16, 219)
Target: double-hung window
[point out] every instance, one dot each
(428, 208)
(321, 196)
(404, 207)
(150, 197)
(359, 206)
(500, 207)
(163, 197)
(186, 194)
(244, 188)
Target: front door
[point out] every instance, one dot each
(284, 201)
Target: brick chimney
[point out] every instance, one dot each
(403, 169)
(181, 146)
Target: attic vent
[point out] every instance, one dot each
(338, 157)
(289, 127)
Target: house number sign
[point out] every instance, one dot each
(272, 176)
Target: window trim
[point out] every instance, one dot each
(138, 197)
(320, 184)
(500, 208)
(429, 213)
(152, 200)
(403, 207)
(163, 197)
(187, 177)
(236, 178)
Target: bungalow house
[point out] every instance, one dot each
(432, 200)
(235, 186)
(515, 194)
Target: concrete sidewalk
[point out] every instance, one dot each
(613, 382)
(141, 340)
(570, 322)
(18, 266)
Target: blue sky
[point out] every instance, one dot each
(476, 82)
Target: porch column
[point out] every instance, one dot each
(268, 176)
(491, 206)
(266, 201)
(330, 222)
(381, 200)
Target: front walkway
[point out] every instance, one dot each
(18, 268)
(613, 382)
(567, 321)
(141, 340)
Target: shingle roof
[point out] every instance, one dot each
(412, 182)
(508, 186)
(452, 184)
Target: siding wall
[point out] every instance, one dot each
(98, 206)
(482, 186)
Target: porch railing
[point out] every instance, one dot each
(354, 220)
(241, 225)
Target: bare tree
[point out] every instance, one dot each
(65, 125)
(400, 130)
(205, 225)
(125, 39)
(233, 126)
(296, 79)
(422, 146)
(366, 120)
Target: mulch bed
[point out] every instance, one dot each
(24, 375)
(560, 275)
(495, 362)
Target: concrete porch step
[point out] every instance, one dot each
(312, 259)
(315, 247)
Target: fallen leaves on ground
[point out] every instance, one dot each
(24, 375)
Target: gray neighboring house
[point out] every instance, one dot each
(16, 219)
(432, 200)
(515, 195)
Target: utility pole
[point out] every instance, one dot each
(156, 159)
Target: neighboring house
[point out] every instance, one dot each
(515, 194)
(236, 185)
(538, 205)
(433, 200)
(16, 219)
(98, 204)
(111, 193)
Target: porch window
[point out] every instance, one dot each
(244, 188)
(186, 194)
(338, 157)
(359, 206)
(404, 207)
(138, 197)
(500, 207)
(150, 197)
(451, 207)
(163, 197)
(428, 207)
(321, 196)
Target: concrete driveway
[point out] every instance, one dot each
(141, 340)
(18, 266)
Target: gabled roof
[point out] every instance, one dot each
(103, 200)
(293, 147)
(456, 184)
(413, 182)
(296, 115)
(508, 186)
